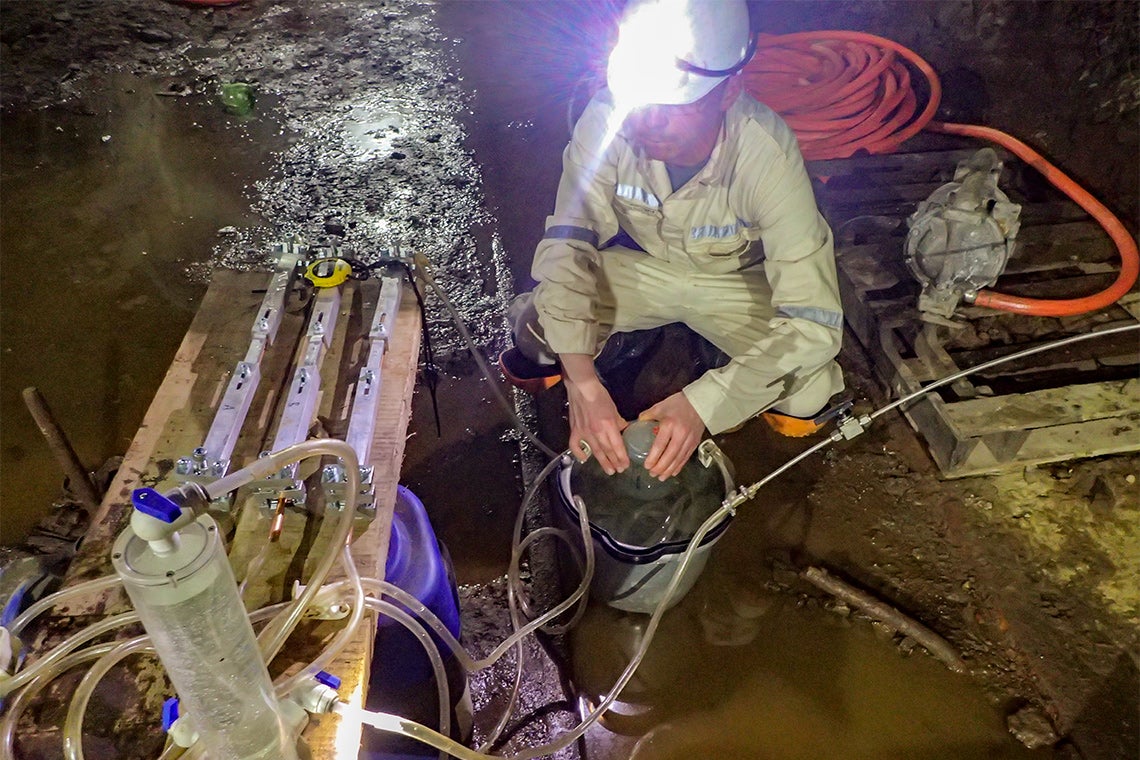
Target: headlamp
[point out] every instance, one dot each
(672, 52)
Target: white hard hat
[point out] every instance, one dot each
(671, 52)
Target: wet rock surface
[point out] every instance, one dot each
(1033, 576)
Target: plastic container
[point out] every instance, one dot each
(635, 481)
(640, 526)
(188, 603)
(401, 680)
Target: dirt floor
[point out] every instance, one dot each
(439, 126)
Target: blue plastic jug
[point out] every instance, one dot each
(401, 681)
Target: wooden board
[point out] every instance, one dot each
(177, 421)
(1076, 402)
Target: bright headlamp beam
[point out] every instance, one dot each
(643, 65)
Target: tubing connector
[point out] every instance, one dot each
(176, 726)
(735, 499)
(850, 426)
(317, 692)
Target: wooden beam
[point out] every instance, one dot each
(332, 738)
(1045, 408)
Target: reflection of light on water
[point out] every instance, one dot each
(806, 685)
(369, 132)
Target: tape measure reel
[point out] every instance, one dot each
(328, 272)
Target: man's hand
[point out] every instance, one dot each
(593, 416)
(679, 431)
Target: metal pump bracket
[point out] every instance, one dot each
(211, 460)
(301, 398)
(366, 400)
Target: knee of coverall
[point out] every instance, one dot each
(816, 390)
(616, 348)
(527, 332)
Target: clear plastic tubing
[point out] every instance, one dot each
(341, 641)
(374, 585)
(88, 587)
(442, 688)
(73, 727)
(394, 724)
(43, 664)
(411, 729)
(60, 665)
(188, 603)
(278, 630)
(16, 706)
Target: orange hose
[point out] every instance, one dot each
(842, 92)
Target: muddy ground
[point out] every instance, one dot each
(410, 124)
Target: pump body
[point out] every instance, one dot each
(962, 236)
(188, 602)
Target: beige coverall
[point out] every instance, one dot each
(740, 254)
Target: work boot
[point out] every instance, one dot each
(527, 375)
(799, 427)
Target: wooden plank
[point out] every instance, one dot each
(179, 417)
(1098, 419)
(333, 737)
(182, 410)
(1058, 443)
(305, 534)
(1090, 350)
(938, 362)
(898, 162)
(1045, 408)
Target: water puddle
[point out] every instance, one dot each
(109, 219)
(800, 683)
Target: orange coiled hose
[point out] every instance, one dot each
(842, 92)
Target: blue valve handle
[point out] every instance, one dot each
(169, 713)
(328, 679)
(151, 502)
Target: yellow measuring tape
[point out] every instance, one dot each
(328, 273)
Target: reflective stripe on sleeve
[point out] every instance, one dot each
(713, 231)
(812, 314)
(570, 232)
(639, 194)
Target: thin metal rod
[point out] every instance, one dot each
(62, 449)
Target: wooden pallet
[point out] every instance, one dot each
(177, 421)
(1079, 401)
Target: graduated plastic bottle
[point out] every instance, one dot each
(188, 602)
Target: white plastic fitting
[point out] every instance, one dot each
(182, 733)
(9, 650)
(329, 603)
